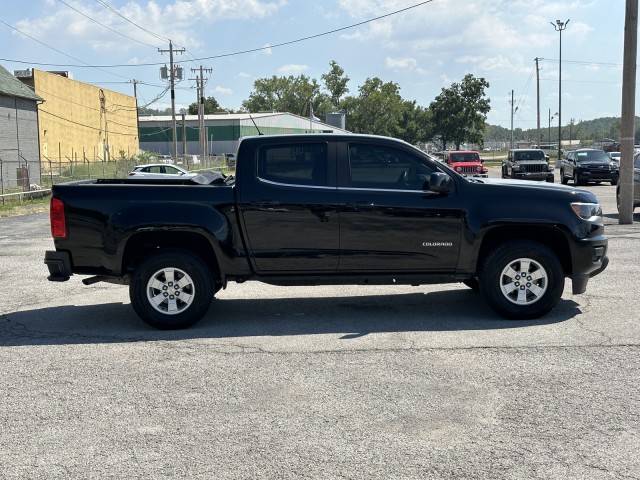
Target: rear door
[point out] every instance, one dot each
(388, 222)
(288, 206)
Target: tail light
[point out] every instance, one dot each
(57, 218)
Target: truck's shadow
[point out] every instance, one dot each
(348, 317)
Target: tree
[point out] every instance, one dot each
(377, 110)
(284, 94)
(460, 111)
(211, 105)
(336, 83)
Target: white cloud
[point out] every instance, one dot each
(293, 69)
(397, 64)
(219, 90)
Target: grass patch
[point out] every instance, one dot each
(12, 208)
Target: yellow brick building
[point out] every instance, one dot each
(80, 122)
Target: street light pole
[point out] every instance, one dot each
(551, 117)
(559, 26)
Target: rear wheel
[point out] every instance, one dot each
(564, 180)
(171, 290)
(522, 280)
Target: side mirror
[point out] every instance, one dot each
(439, 183)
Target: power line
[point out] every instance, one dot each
(231, 54)
(105, 26)
(56, 50)
(110, 8)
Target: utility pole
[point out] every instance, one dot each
(202, 135)
(135, 95)
(172, 75)
(627, 128)
(538, 96)
(512, 112)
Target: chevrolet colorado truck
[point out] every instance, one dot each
(325, 209)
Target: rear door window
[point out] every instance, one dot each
(297, 164)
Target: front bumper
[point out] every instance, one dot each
(597, 176)
(59, 264)
(534, 175)
(590, 260)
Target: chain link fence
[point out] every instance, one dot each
(22, 180)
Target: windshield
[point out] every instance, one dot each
(592, 155)
(529, 155)
(464, 157)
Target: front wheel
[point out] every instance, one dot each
(522, 280)
(576, 180)
(171, 290)
(564, 180)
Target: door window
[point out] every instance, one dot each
(382, 167)
(297, 164)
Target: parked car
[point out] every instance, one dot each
(636, 183)
(587, 165)
(527, 164)
(467, 163)
(615, 156)
(158, 170)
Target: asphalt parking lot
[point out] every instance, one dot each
(319, 382)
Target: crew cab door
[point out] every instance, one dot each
(288, 204)
(388, 222)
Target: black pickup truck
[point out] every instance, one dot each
(326, 209)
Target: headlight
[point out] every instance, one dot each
(588, 211)
(516, 167)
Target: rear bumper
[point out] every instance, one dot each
(59, 265)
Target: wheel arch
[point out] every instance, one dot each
(140, 245)
(550, 236)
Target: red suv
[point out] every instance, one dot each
(467, 163)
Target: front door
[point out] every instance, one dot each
(388, 221)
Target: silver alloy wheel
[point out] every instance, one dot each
(524, 281)
(170, 291)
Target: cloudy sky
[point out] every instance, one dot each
(423, 46)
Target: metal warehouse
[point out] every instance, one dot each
(221, 131)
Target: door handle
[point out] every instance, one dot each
(361, 206)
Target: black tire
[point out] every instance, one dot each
(576, 180)
(171, 289)
(614, 181)
(514, 295)
(564, 180)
